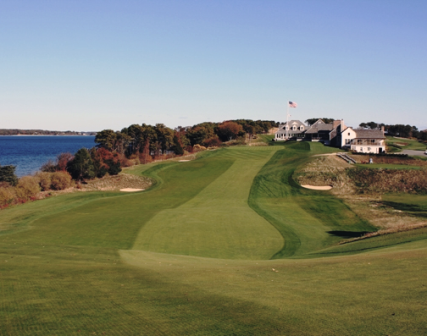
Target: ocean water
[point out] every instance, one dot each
(29, 153)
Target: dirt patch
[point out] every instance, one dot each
(131, 190)
(117, 182)
(316, 187)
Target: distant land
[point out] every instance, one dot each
(41, 132)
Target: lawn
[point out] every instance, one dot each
(227, 244)
(386, 166)
(402, 143)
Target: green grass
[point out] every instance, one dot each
(411, 144)
(74, 264)
(387, 166)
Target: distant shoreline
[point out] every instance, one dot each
(47, 134)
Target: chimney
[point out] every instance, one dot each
(336, 123)
(382, 129)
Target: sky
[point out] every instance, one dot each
(100, 64)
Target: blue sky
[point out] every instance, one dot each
(91, 65)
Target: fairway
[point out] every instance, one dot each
(227, 244)
(218, 221)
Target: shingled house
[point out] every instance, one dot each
(368, 141)
(336, 134)
(295, 131)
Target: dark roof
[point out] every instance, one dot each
(297, 123)
(320, 127)
(369, 134)
(292, 123)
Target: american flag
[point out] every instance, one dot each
(292, 104)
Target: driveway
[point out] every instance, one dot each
(413, 152)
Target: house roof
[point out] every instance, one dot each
(297, 123)
(369, 134)
(292, 123)
(315, 128)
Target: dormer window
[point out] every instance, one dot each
(301, 128)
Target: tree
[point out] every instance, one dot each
(177, 146)
(106, 139)
(311, 121)
(7, 174)
(229, 130)
(164, 136)
(62, 161)
(81, 167)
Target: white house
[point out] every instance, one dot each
(369, 141)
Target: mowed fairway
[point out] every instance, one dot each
(218, 221)
(227, 244)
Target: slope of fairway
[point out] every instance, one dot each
(217, 222)
(308, 220)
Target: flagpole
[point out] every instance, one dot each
(287, 122)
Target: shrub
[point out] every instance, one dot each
(145, 158)
(49, 167)
(60, 180)
(44, 180)
(27, 188)
(198, 148)
(212, 142)
(7, 195)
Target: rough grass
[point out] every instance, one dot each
(67, 268)
(118, 182)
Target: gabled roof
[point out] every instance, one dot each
(369, 134)
(320, 126)
(297, 123)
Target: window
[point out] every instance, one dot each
(301, 128)
(348, 133)
(347, 141)
(372, 141)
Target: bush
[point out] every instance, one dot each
(7, 195)
(44, 180)
(212, 142)
(27, 188)
(49, 167)
(60, 180)
(198, 148)
(145, 158)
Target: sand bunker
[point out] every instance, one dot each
(307, 186)
(131, 190)
(184, 160)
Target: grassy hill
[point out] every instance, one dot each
(227, 244)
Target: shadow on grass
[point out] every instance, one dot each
(347, 234)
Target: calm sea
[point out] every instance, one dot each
(29, 153)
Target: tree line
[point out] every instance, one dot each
(116, 149)
(400, 130)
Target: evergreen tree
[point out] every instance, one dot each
(81, 167)
(7, 174)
